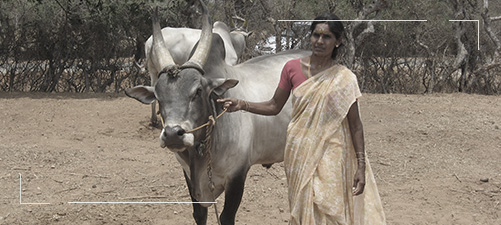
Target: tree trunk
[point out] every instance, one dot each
(278, 39)
(351, 41)
(492, 62)
(462, 52)
(487, 27)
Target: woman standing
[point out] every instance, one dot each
(329, 179)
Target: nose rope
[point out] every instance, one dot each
(212, 120)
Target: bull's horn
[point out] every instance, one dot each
(159, 54)
(202, 52)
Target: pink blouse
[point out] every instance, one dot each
(292, 75)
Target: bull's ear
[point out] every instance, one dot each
(144, 94)
(221, 85)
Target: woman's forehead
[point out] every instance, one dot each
(322, 28)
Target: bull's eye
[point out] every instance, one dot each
(198, 93)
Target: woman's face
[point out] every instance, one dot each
(323, 40)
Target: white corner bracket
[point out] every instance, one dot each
(478, 29)
(21, 192)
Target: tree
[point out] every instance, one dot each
(364, 11)
(70, 45)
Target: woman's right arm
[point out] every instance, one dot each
(270, 107)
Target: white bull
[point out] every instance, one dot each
(187, 98)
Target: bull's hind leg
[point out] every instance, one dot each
(233, 196)
(153, 76)
(154, 119)
(199, 212)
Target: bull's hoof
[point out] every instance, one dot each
(267, 165)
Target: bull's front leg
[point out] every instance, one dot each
(233, 193)
(199, 212)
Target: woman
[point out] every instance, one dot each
(324, 156)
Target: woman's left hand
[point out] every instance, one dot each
(232, 104)
(359, 182)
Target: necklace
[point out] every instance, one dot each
(309, 66)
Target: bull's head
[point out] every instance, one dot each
(183, 93)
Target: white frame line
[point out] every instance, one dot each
(478, 24)
(32, 203)
(356, 20)
(141, 202)
(478, 29)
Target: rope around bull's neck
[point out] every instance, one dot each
(208, 142)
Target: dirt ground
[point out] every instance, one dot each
(436, 158)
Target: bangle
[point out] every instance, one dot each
(361, 157)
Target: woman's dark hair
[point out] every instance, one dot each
(335, 26)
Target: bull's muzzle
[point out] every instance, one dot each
(175, 138)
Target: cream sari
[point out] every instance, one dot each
(320, 159)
